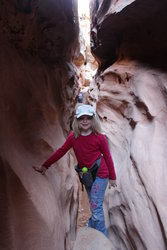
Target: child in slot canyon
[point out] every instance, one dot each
(90, 146)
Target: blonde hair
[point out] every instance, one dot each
(96, 126)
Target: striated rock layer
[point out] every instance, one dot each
(130, 96)
(38, 92)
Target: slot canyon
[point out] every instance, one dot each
(41, 74)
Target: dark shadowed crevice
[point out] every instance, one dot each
(143, 108)
(137, 32)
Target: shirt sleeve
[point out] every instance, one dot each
(107, 156)
(59, 152)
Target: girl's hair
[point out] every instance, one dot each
(96, 126)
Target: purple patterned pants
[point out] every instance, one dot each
(96, 198)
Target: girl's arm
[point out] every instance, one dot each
(108, 158)
(60, 152)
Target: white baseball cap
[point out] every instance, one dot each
(84, 110)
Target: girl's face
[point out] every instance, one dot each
(85, 122)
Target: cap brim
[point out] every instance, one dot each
(79, 115)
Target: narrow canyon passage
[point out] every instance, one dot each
(44, 65)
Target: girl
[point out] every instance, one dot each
(89, 144)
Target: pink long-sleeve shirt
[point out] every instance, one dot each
(87, 150)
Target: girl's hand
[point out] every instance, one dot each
(112, 183)
(40, 169)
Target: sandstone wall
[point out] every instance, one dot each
(37, 96)
(129, 42)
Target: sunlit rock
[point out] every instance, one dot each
(85, 61)
(129, 91)
(132, 107)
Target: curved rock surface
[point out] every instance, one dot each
(130, 95)
(89, 239)
(37, 97)
(129, 29)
